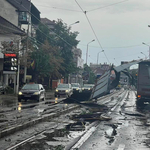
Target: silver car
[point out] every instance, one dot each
(64, 90)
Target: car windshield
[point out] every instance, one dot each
(63, 86)
(88, 86)
(31, 87)
(75, 85)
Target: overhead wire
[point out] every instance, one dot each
(66, 9)
(60, 8)
(46, 26)
(92, 29)
(86, 11)
(115, 47)
(107, 6)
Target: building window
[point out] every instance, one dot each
(23, 17)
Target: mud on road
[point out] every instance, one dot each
(122, 127)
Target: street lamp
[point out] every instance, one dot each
(149, 48)
(74, 23)
(98, 55)
(87, 49)
(144, 55)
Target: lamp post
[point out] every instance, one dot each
(87, 49)
(149, 48)
(144, 55)
(98, 55)
(74, 23)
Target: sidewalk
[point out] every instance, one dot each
(49, 94)
(9, 99)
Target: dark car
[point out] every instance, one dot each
(87, 87)
(32, 92)
(76, 87)
(64, 90)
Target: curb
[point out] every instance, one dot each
(34, 122)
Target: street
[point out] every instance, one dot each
(128, 129)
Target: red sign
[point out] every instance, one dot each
(10, 55)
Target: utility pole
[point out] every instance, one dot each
(87, 50)
(26, 51)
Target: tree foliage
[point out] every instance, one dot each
(88, 75)
(66, 40)
(63, 41)
(47, 61)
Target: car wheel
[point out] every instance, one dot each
(4, 92)
(38, 100)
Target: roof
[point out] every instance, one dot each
(24, 6)
(7, 27)
(21, 5)
(47, 21)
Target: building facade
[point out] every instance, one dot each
(13, 16)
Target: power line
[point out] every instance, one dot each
(67, 9)
(80, 7)
(91, 28)
(114, 47)
(60, 8)
(46, 26)
(82, 10)
(107, 6)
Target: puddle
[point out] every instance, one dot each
(47, 141)
(8, 102)
(79, 126)
(21, 106)
(110, 133)
(57, 133)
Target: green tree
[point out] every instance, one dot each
(42, 33)
(66, 40)
(47, 62)
(88, 75)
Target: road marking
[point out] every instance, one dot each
(121, 147)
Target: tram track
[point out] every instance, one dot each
(88, 131)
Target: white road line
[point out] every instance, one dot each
(121, 147)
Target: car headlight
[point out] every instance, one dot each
(77, 89)
(56, 90)
(20, 93)
(89, 89)
(36, 93)
(67, 91)
(82, 88)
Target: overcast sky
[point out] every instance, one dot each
(120, 28)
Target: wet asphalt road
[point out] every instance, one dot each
(128, 129)
(125, 131)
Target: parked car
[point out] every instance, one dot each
(87, 87)
(64, 90)
(32, 91)
(2, 88)
(76, 87)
